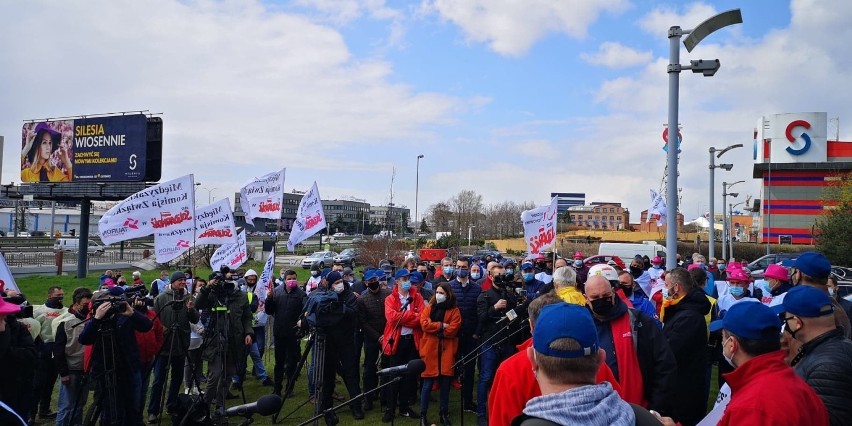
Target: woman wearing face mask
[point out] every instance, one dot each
(314, 280)
(440, 322)
(738, 291)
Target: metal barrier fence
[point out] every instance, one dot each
(22, 259)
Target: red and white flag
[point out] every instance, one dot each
(310, 218)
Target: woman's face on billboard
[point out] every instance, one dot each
(45, 145)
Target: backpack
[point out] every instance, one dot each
(323, 309)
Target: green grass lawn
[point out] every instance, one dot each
(35, 287)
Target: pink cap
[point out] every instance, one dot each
(777, 272)
(693, 266)
(578, 255)
(657, 259)
(738, 275)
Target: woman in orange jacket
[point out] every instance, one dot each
(440, 322)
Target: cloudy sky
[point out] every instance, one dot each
(513, 99)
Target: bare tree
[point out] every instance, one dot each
(467, 206)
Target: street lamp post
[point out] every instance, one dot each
(713, 166)
(470, 233)
(731, 218)
(209, 193)
(708, 69)
(725, 187)
(416, 199)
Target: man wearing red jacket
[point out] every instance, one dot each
(515, 383)
(401, 341)
(751, 344)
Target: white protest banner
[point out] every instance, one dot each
(7, 281)
(658, 207)
(160, 208)
(214, 224)
(310, 218)
(265, 285)
(540, 227)
(718, 411)
(230, 255)
(263, 197)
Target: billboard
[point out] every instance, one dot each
(798, 138)
(91, 149)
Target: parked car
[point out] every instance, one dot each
(339, 234)
(757, 267)
(605, 259)
(323, 258)
(347, 257)
(73, 245)
(485, 252)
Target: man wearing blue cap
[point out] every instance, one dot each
(371, 319)
(401, 341)
(532, 285)
(417, 280)
(750, 344)
(825, 359)
(565, 359)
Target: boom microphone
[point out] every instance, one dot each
(266, 405)
(415, 366)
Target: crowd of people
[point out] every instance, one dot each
(553, 342)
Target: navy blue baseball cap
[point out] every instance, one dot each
(750, 320)
(401, 273)
(563, 320)
(813, 264)
(416, 278)
(527, 265)
(805, 301)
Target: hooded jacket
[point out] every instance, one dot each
(410, 318)
(591, 405)
(826, 365)
(174, 315)
(656, 361)
(685, 329)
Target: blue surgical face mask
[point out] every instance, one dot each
(721, 266)
(405, 285)
(448, 270)
(737, 291)
(475, 275)
(462, 273)
(578, 263)
(657, 266)
(510, 271)
(529, 276)
(665, 293)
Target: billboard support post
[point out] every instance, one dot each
(83, 236)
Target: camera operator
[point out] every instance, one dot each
(228, 333)
(176, 310)
(492, 306)
(68, 356)
(17, 356)
(286, 305)
(114, 362)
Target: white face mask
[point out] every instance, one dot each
(338, 287)
(730, 359)
(440, 297)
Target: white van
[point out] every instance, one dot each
(73, 244)
(626, 251)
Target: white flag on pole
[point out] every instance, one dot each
(658, 207)
(161, 208)
(540, 227)
(230, 255)
(214, 224)
(310, 218)
(263, 197)
(7, 281)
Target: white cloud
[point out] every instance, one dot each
(511, 27)
(617, 55)
(243, 89)
(659, 20)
